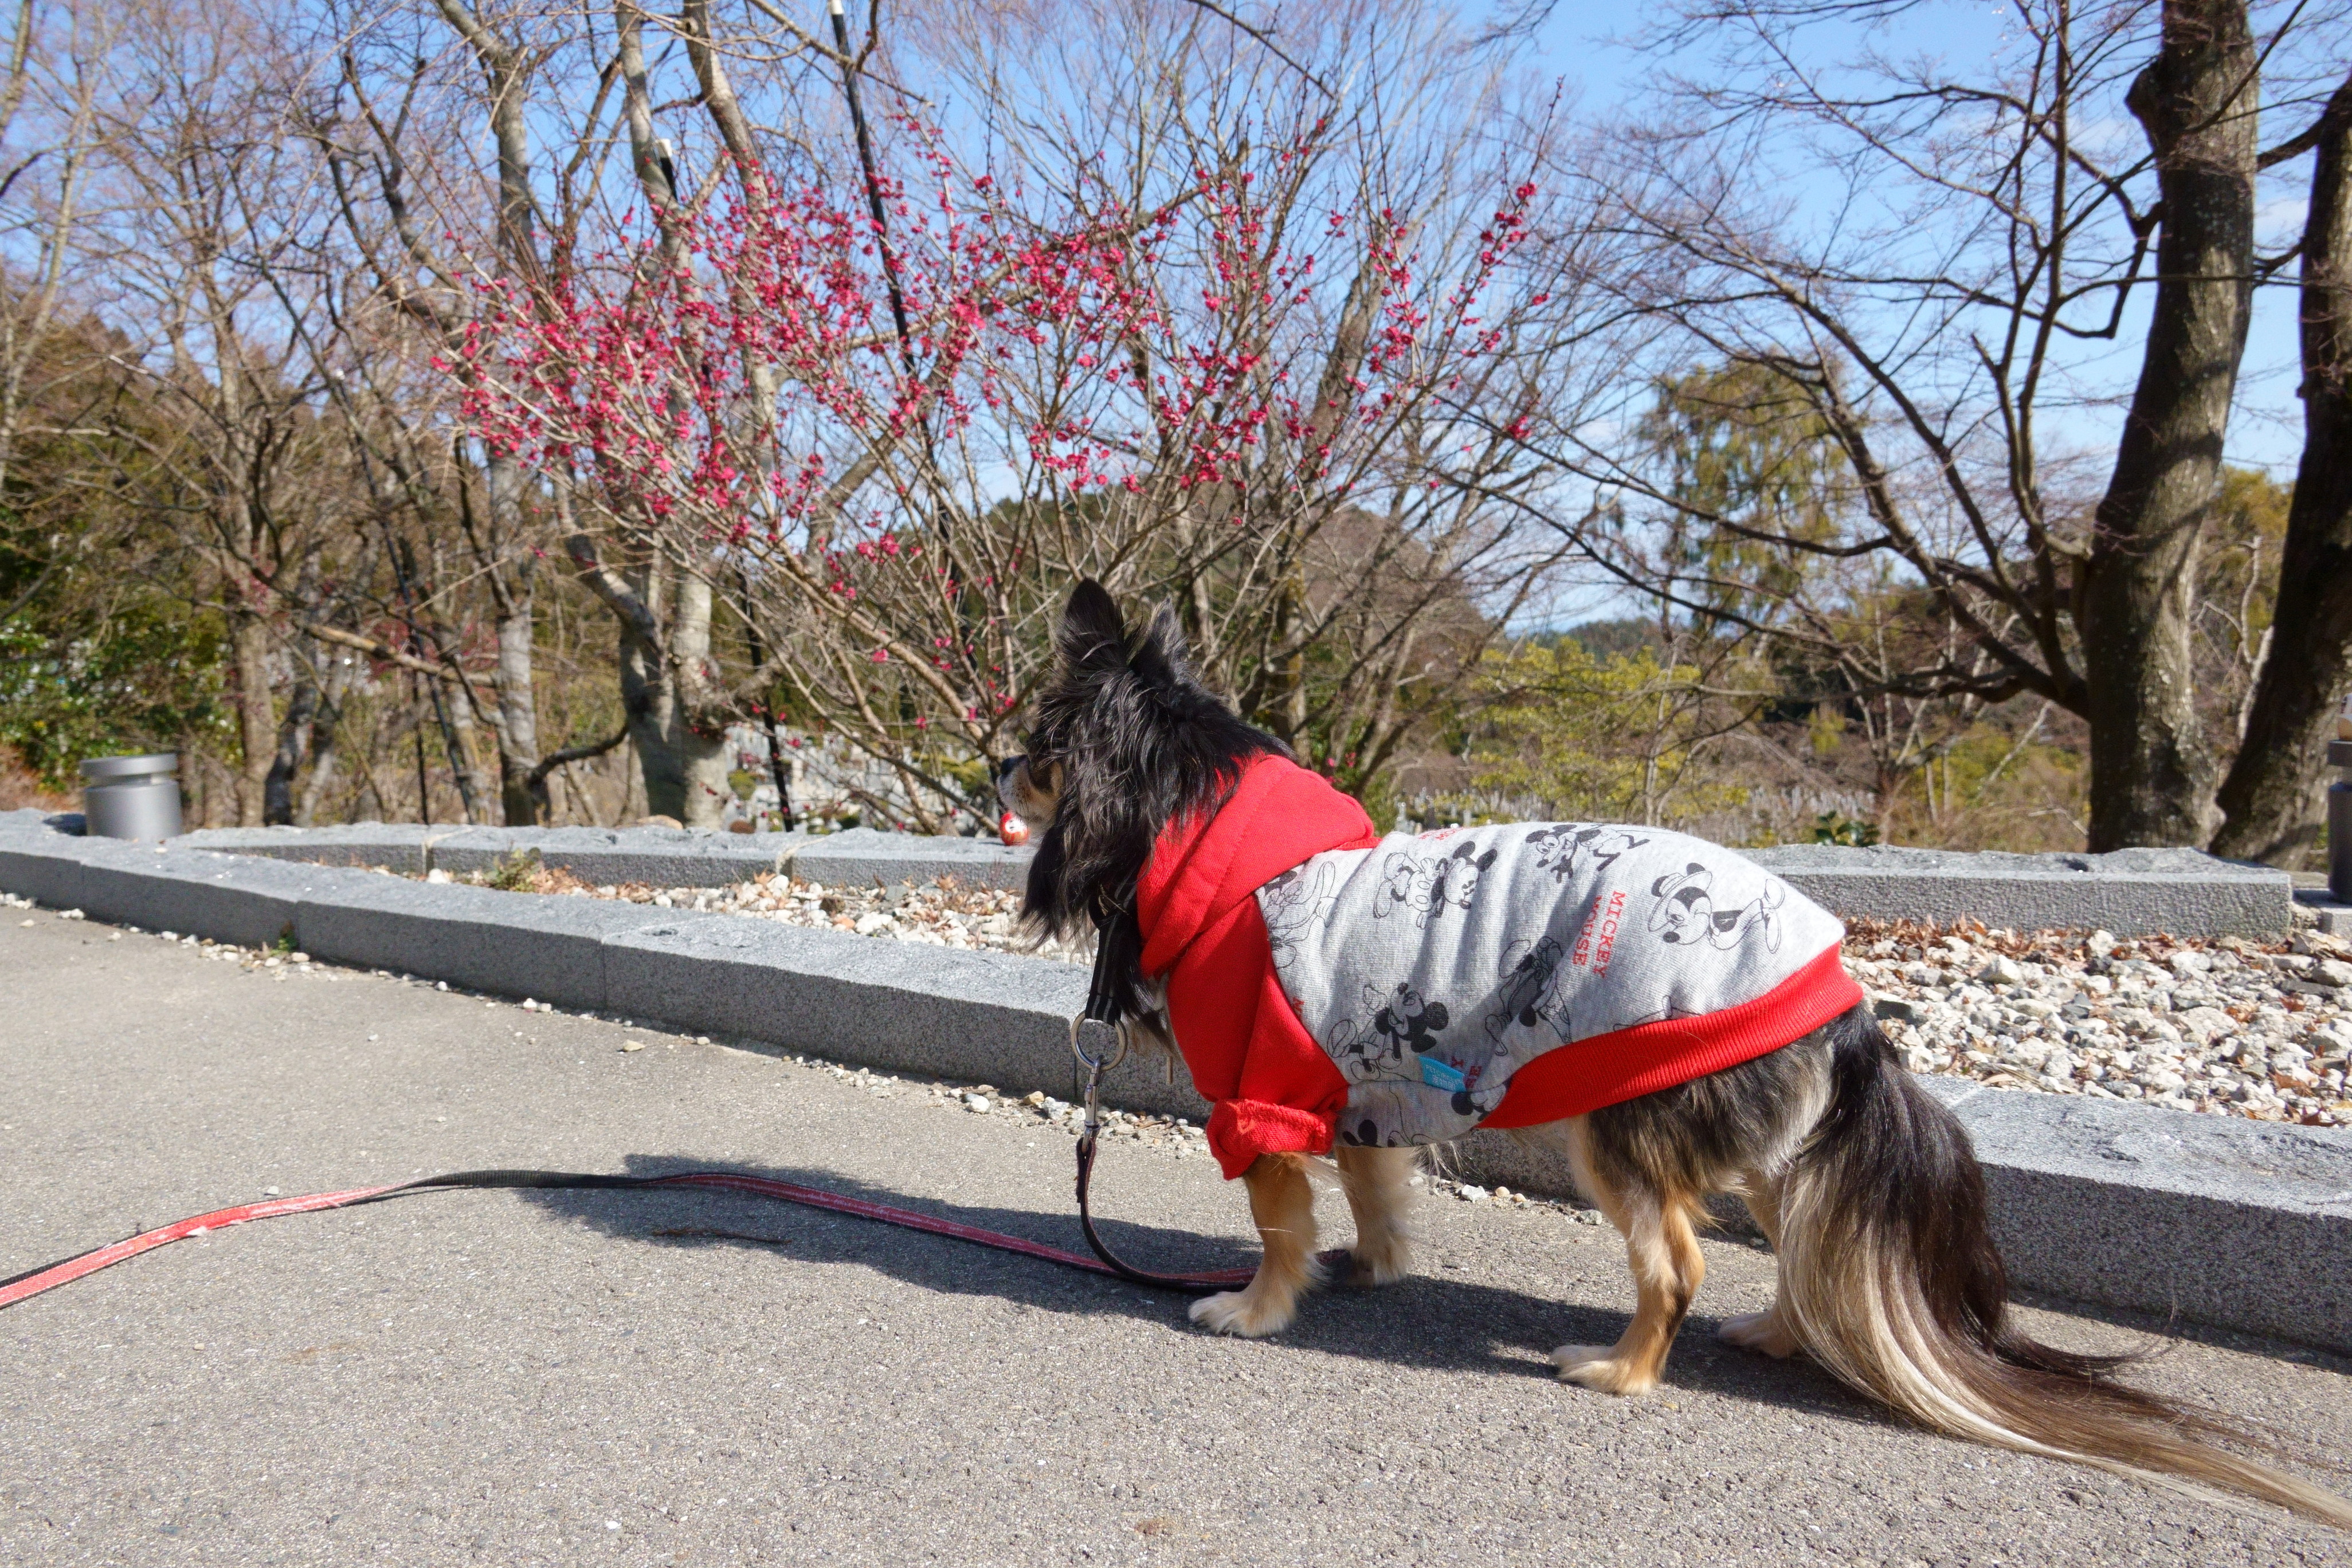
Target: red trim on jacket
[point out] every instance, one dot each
(1625, 1064)
(1273, 1089)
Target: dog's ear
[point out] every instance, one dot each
(1092, 636)
(1163, 659)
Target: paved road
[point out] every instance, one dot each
(487, 1378)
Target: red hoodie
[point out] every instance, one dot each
(1273, 1089)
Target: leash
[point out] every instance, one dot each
(1097, 1037)
(34, 1282)
(1099, 1040)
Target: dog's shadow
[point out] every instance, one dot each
(1431, 1321)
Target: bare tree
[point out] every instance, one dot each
(53, 120)
(371, 131)
(206, 200)
(2271, 809)
(1961, 245)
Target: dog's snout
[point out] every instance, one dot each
(1008, 782)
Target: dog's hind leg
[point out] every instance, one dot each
(1378, 1185)
(1282, 1201)
(1767, 1330)
(1667, 1267)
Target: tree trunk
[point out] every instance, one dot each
(2273, 801)
(325, 745)
(2137, 592)
(293, 749)
(702, 753)
(526, 802)
(514, 590)
(256, 715)
(473, 779)
(685, 772)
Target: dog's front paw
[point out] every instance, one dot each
(1759, 1332)
(1597, 1368)
(1378, 1262)
(1240, 1312)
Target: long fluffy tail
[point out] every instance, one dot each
(1890, 1280)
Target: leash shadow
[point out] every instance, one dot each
(1429, 1322)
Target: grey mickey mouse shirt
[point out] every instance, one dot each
(1432, 968)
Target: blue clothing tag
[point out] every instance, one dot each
(1442, 1074)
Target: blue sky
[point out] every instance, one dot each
(1591, 46)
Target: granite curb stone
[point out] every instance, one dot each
(395, 846)
(2131, 893)
(601, 857)
(2240, 1223)
(991, 1017)
(2328, 914)
(229, 897)
(552, 948)
(657, 856)
(2213, 1220)
(862, 856)
(41, 865)
(2184, 892)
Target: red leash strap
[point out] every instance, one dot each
(25, 1286)
(34, 1282)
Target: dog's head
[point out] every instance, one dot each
(1123, 739)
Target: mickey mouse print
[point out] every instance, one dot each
(1431, 969)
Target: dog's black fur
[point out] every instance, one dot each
(1136, 742)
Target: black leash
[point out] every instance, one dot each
(36, 1281)
(1099, 1040)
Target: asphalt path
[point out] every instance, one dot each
(619, 1378)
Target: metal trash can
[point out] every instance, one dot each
(131, 797)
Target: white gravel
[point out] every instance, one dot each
(2231, 1026)
(2249, 1029)
(942, 915)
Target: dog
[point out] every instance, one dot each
(1865, 1187)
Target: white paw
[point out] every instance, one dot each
(1759, 1332)
(1238, 1313)
(1596, 1367)
(1383, 1264)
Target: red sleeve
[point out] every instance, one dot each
(1274, 1090)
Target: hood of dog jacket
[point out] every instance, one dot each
(1271, 1088)
(1327, 985)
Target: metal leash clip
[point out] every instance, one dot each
(1098, 1047)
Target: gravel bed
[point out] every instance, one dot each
(943, 914)
(2232, 1026)
(2247, 1028)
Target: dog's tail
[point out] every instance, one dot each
(1890, 1280)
